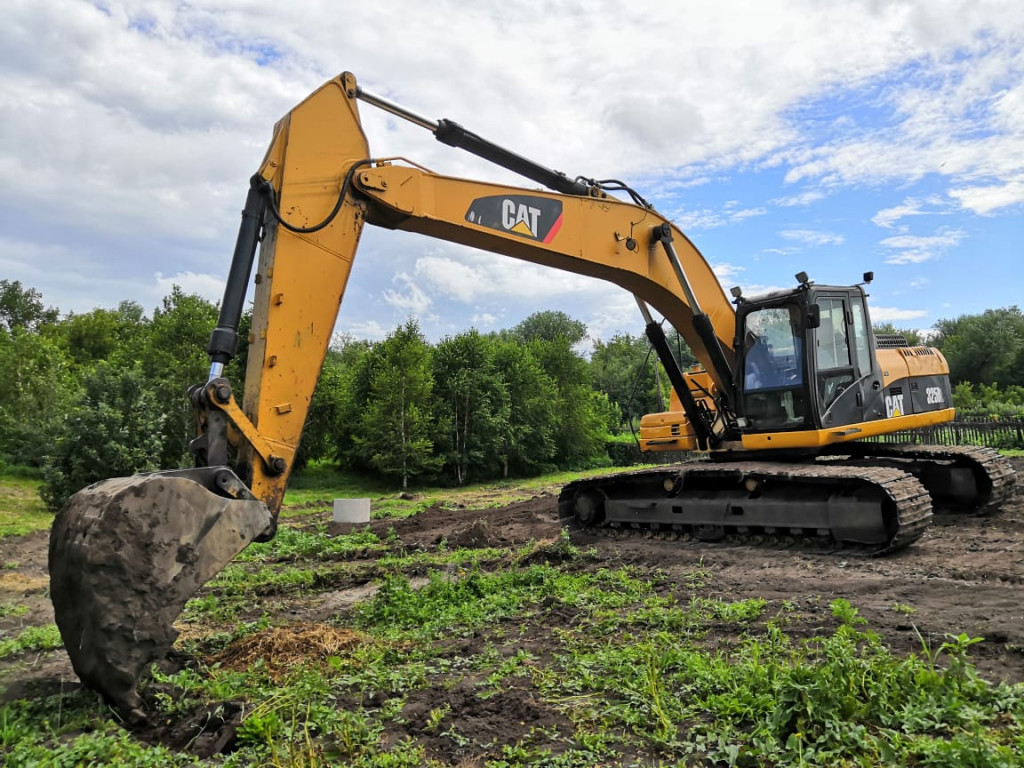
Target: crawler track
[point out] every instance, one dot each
(868, 510)
(963, 480)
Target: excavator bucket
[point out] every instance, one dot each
(125, 556)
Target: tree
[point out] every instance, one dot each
(23, 307)
(529, 420)
(396, 422)
(584, 415)
(551, 326)
(113, 430)
(174, 358)
(680, 349)
(353, 358)
(912, 336)
(105, 334)
(627, 371)
(470, 406)
(36, 387)
(986, 348)
(333, 410)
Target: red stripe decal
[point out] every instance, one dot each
(554, 230)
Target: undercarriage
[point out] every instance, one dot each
(870, 500)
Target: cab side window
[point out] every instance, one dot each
(833, 349)
(860, 336)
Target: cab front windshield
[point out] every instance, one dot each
(773, 368)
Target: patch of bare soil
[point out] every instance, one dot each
(25, 589)
(966, 575)
(508, 526)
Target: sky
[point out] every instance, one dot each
(780, 135)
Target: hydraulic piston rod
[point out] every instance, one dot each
(454, 135)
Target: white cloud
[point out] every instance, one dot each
(985, 200)
(887, 217)
(914, 249)
(128, 130)
(77, 281)
(616, 312)
(368, 329)
(955, 118)
(414, 300)
(747, 213)
(473, 275)
(707, 219)
(760, 289)
(691, 221)
(893, 315)
(210, 287)
(726, 272)
(812, 237)
(803, 198)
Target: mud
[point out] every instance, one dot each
(963, 576)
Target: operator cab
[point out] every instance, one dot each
(805, 358)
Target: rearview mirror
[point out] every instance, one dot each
(813, 316)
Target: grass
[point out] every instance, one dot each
(637, 676)
(13, 610)
(23, 512)
(319, 484)
(637, 672)
(21, 509)
(45, 638)
(585, 661)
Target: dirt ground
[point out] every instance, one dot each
(964, 575)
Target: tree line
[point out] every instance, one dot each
(102, 393)
(478, 406)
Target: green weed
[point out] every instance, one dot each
(32, 638)
(291, 544)
(12, 610)
(845, 612)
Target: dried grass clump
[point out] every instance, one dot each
(281, 649)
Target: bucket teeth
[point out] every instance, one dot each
(125, 556)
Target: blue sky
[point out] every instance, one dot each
(781, 136)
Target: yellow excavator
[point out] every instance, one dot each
(790, 389)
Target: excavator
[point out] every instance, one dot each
(790, 395)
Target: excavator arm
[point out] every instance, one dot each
(317, 187)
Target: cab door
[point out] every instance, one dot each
(842, 359)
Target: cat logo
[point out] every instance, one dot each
(535, 218)
(893, 405)
(519, 217)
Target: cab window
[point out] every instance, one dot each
(860, 336)
(832, 348)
